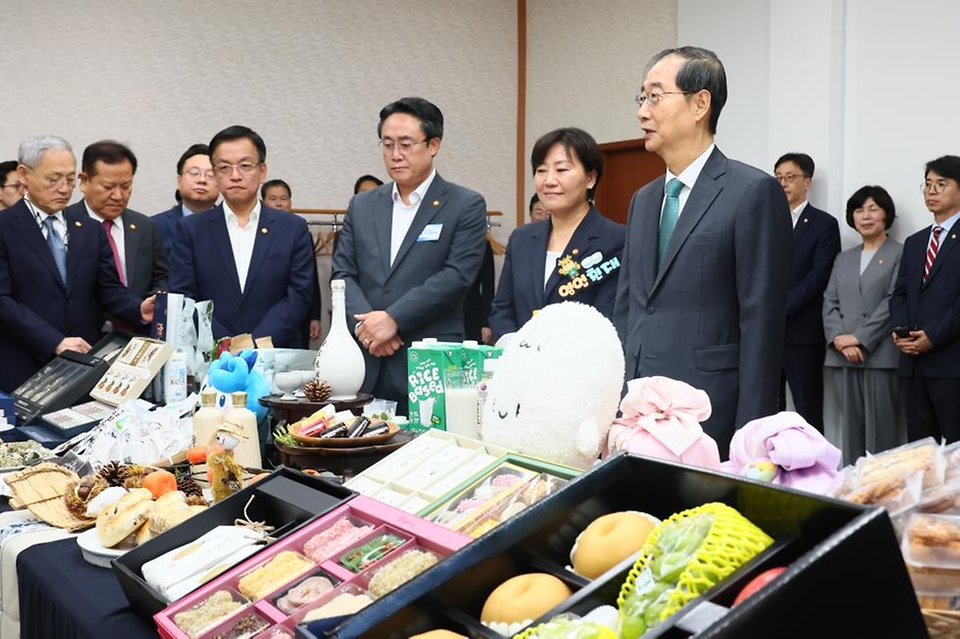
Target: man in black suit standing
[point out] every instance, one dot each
(816, 243)
(106, 180)
(196, 191)
(57, 272)
(925, 308)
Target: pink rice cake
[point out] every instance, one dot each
(325, 544)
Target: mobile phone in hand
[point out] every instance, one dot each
(902, 331)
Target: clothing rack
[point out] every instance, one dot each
(323, 240)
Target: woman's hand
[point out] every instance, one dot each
(841, 342)
(853, 354)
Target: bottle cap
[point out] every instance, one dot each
(471, 342)
(429, 340)
(239, 399)
(208, 397)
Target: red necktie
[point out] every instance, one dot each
(108, 227)
(932, 250)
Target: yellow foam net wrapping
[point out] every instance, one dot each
(727, 540)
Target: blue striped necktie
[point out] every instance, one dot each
(668, 219)
(57, 247)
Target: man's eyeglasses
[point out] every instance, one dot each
(53, 181)
(196, 173)
(13, 185)
(789, 178)
(245, 168)
(405, 146)
(655, 97)
(934, 187)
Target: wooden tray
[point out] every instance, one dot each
(344, 442)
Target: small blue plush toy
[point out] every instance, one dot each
(231, 373)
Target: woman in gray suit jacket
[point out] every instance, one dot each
(861, 358)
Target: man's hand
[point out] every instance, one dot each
(376, 329)
(146, 308)
(916, 344)
(77, 344)
(314, 329)
(388, 349)
(486, 335)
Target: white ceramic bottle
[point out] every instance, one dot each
(247, 450)
(207, 419)
(340, 360)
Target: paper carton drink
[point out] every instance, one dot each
(427, 363)
(472, 356)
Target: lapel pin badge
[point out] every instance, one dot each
(806, 220)
(436, 202)
(133, 227)
(78, 223)
(263, 230)
(576, 251)
(879, 261)
(953, 236)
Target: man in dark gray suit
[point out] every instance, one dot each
(706, 265)
(106, 180)
(409, 250)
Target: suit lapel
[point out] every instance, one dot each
(704, 192)
(132, 247)
(261, 245)
(76, 246)
(803, 223)
(217, 226)
(536, 255)
(28, 228)
(383, 227)
(579, 247)
(649, 234)
(433, 202)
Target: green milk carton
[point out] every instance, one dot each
(427, 364)
(472, 356)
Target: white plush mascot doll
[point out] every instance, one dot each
(557, 386)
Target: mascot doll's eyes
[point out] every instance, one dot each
(526, 344)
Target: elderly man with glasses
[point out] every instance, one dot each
(254, 262)
(57, 270)
(706, 264)
(409, 250)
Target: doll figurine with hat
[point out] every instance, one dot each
(661, 418)
(557, 386)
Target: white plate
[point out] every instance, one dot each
(93, 552)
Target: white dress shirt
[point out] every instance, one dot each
(403, 215)
(59, 222)
(795, 213)
(242, 240)
(116, 231)
(689, 177)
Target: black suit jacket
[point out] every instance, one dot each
(521, 290)
(37, 310)
(144, 256)
(816, 243)
(166, 223)
(476, 306)
(932, 306)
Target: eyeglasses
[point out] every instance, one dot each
(245, 168)
(934, 187)
(655, 97)
(13, 185)
(196, 173)
(405, 146)
(53, 181)
(789, 178)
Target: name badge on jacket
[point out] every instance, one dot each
(430, 233)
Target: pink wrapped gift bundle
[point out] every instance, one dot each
(661, 418)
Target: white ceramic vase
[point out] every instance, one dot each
(340, 360)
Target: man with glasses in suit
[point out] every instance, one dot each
(11, 190)
(254, 262)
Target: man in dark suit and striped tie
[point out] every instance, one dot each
(925, 308)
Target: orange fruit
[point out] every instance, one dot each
(197, 454)
(160, 482)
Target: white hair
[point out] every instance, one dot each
(31, 150)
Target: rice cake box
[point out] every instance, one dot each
(427, 365)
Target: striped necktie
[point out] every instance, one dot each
(932, 250)
(668, 219)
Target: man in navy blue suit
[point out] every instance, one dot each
(255, 263)
(57, 271)
(925, 308)
(196, 191)
(816, 243)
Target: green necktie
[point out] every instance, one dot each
(668, 220)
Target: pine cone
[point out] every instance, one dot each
(113, 473)
(317, 390)
(188, 486)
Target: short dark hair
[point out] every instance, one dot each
(195, 149)
(6, 168)
(365, 178)
(272, 183)
(533, 200)
(431, 119)
(946, 166)
(804, 161)
(108, 152)
(574, 141)
(879, 195)
(702, 71)
(239, 132)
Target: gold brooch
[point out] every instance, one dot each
(263, 230)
